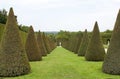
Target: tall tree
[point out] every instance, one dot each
(32, 49)
(3, 16)
(95, 50)
(111, 63)
(13, 58)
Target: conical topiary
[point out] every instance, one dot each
(50, 43)
(32, 49)
(111, 63)
(71, 42)
(74, 43)
(84, 44)
(44, 46)
(77, 40)
(13, 58)
(95, 50)
(41, 44)
(46, 43)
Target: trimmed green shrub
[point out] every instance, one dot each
(13, 58)
(71, 42)
(111, 63)
(77, 41)
(51, 43)
(41, 44)
(46, 43)
(74, 41)
(95, 50)
(84, 44)
(32, 49)
(44, 46)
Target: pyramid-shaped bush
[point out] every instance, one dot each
(111, 63)
(44, 46)
(84, 44)
(95, 50)
(41, 44)
(72, 42)
(51, 43)
(75, 43)
(77, 40)
(32, 48)
(13, 58)
(45, 39)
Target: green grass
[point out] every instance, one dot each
(63, 64)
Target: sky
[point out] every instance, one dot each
(69, 15)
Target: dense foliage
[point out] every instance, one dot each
(84, 44)
(3, 16)
(95, 50)
(41, 44)
(46, 43)
(31, 46)
(111, 63)
(24, 28)
(13, 58)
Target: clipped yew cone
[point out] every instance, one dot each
(32, 48)
(95, 50)
(84, 44)
(13, 58)
(46, 43)
(111, 63)
(41, 44)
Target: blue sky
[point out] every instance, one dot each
(70, 15)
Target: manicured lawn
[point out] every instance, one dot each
(63, 64)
